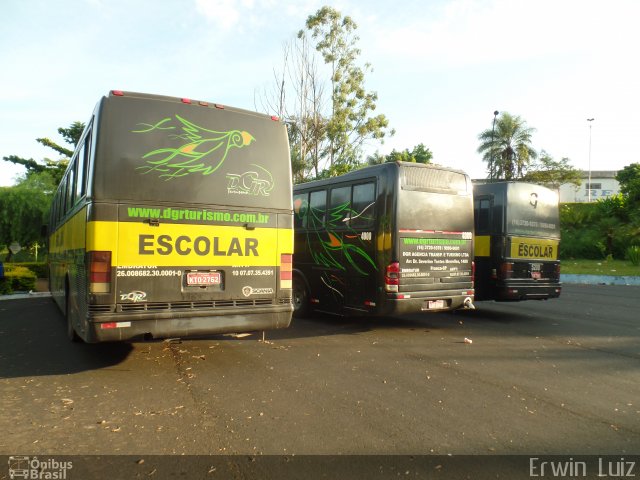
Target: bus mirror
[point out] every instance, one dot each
(44, 231)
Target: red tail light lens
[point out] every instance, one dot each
(392, 277)
(100, 272)
(506, 270)
(286, 270)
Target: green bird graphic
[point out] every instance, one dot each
(202, 151)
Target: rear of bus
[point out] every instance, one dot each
(520, 256)
(189, 230)
(432, 264)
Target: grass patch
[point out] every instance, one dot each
(600, 267)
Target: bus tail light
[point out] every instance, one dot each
(392, 277)
(506, 270)
(100, 272)
(286, 270)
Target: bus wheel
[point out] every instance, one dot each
(300, 298)
(69, 315)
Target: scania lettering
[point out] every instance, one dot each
(147, 237)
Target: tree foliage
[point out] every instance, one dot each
(419, 154)
(552, 173)
(24, 208)
(55, 167)
(629, 179)
(351, 122)
(507, 148)
(320, 94)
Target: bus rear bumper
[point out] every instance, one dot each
(110, 328)
(444, 301)
(527, 291)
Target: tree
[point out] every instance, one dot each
(350, 123)
(552, 173)
(55, 167)
(298, 99)
(24, 208)
(507, 148)
(419, 154)
(629, 179)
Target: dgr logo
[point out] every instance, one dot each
(135, 296)
(250, 183)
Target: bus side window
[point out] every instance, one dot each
(79, 187)
(482, 215)
(300, 210)
(87, 159)
(340, 206)
(362, 205)
(71, 184)
(63, 196)
(317, 209)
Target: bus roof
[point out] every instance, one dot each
(371, 171)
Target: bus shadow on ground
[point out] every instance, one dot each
(321, 325)
(35, 343)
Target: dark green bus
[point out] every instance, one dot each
(517, 236)
(387, 239)
(173, 219)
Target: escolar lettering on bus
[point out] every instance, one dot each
(185, 245)
(536, 251)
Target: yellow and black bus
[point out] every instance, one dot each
(174, 218)
(387, 239)
(517, 236)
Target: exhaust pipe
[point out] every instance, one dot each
(468, 304)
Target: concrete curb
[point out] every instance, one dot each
(599, 279)
(15, 296)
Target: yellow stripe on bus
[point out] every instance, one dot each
(70, 236)
(482, 246)
(174, 245)
(534, 248)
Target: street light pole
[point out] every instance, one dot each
(590, 120)
(493, 129)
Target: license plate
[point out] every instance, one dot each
(204, 278)
(429, 304)
(535, 270)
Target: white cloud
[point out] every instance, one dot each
(224, 13)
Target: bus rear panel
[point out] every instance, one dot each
(186, 226)
(389, 239)
(434, 240)
(517, 241)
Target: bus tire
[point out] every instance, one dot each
(301, 306)
(71, 331)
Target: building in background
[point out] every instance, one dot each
(603, 185)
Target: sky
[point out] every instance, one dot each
(440, 68)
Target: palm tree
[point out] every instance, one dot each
(507, 149)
